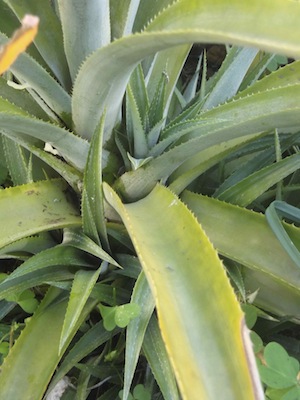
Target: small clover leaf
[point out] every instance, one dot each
(280, 370)
(125, 313)
(257, 342)
(141, 393)
(118, 315)
(108, 315)
(250, 314)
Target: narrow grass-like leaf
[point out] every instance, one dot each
(83, 283)
(33, 208)
(157, 357)
(92, 339)
(247, 190)
(93, 218)
(41, 268)
(142, 296)
(265, 155)
(79, 240)
(200, 163)
(274, 212)
(246, 237)
(174, 265)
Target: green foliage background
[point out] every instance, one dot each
(142, 231)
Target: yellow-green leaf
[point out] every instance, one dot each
(200, 319)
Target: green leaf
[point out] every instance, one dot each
(175, 253)
(70, 146)
(166, 66)
(108, 315)
(75, 238)
(250, 314)
(257, 342)
(49, 40)
(16, 161)
(93, 219)
(141, 393)
(101, 83)
(83, 283)
(253, 114)
(229, 76)
(31, 354)
(280, 370)
(142, 297)
(21, 99)
(48, 265)
(135, 129)
(157, 357)
(125, 313)
(80, 42)
(93, 338)
(274, 212)
(38, 80)
(33, 208)
(245, 236)
(246, 191)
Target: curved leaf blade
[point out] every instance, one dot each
(33, 208)
(70, 146)
(176, 255)
(18, 378)
(136, 329)
(83, 283)
(245, 236)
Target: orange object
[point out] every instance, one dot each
(21, 39)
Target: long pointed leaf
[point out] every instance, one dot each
(136, 329)
(193, 298)
(92, 197)
(83, 283)
(35, 350)
(86, 27)
(157, 357)
(231, 120)
(72, 147)
(246, 237)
